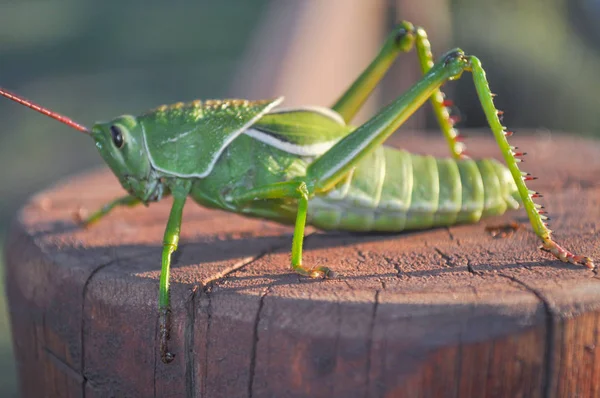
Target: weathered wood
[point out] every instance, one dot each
(446, 312)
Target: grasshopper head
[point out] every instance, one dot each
(121, 145)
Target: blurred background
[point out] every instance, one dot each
(96, 60)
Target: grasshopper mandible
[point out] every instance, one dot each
(309, 165)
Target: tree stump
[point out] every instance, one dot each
(444, 312)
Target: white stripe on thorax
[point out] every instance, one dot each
(301, 150)
(330, 113)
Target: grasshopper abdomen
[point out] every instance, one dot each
(394, 190)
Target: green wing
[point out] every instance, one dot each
(308, 131)
(185, 140)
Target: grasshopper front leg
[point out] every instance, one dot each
(180, 190)
(129, 201)
(328, 169)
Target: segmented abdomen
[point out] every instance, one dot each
(394, 190)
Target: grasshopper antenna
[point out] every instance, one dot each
(42, 110)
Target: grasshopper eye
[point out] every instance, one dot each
(117, 136)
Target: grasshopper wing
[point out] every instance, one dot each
(185, 140)
(308, 131)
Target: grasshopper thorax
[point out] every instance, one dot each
(121, 144)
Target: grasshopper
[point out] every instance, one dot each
(309, 165)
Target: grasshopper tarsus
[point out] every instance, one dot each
(166, 356)
(322, 273)
(79, 216)
(82, 217)
(331, 275)
(164, 335)
(566, 256)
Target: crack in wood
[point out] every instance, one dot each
(82, 327)
(370, 341)
(190, 363)
(237, 266)
(472, 271)
(362, 258)
(207, 291)
(459, 362)
(447, 259)
(450, 234)
(155, 348)
(64, 366)
(336, 342)
(255, 341)
(399, 273)
(206, 288)
(549, 348)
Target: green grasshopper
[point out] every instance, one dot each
(309, 165)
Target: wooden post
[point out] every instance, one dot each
(445, 312)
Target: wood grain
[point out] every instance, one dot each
(446, 312)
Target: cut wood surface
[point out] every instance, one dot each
(443, 312)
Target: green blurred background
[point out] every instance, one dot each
(95, 60)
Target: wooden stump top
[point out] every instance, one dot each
(443, 312)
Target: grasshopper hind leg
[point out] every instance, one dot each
(402, 39)
(536, 216)
(334, 165)
(441, 107)
(328, 169)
